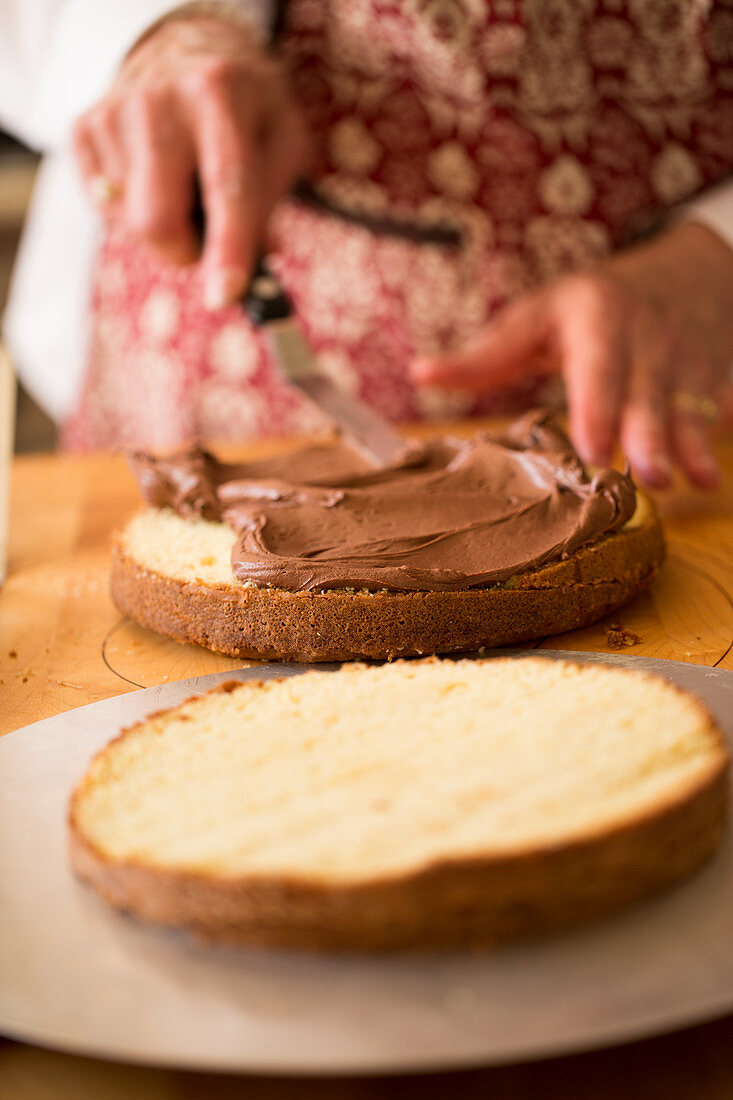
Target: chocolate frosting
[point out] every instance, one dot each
(454, 514)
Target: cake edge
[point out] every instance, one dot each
(475, 902)
(274, 624)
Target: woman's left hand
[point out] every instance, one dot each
(644, 343)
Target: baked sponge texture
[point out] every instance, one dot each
(174, 576)
(417, 804)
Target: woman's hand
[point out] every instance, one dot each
(644, 343)
(199, 98)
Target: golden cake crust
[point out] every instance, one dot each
(273, 624)
(461, 903)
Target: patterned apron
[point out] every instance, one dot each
(547, 132)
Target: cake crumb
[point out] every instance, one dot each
(617, 637)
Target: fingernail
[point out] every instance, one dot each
(707, 475)
(656, 471)
(222, 286)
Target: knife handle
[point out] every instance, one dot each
(264, 300)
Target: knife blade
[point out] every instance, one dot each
(270, 309)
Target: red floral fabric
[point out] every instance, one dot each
(548, 132)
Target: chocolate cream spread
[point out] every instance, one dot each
(453, 514)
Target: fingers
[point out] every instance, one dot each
(197, 98)
(621, 362)
(138, 167)
(510, 347)
(645, 440)
(100, 154)
(285, 155)
(230, 170)
(692, 449)
(159, 184)
(645, 424)
(661, 426)
(692, 406)
(573, 319)
(590, 335)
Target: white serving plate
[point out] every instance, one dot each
(78, 976)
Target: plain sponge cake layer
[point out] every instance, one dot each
(417, 804)
(174, 575)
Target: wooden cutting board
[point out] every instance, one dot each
(63, 644)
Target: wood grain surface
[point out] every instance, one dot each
(63, 644)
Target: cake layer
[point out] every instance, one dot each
(415, 804)
(173, 575)
(455, 514)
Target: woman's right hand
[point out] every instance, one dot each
(197, 97)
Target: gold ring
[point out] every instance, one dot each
(696, 403)
(103, 190)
